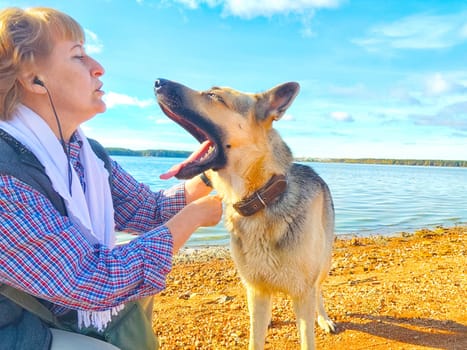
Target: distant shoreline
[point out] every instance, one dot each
(116, 151)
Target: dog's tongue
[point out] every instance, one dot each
(173, 171)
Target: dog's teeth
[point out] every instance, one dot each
(207, 154)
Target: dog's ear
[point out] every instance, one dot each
(274, 102)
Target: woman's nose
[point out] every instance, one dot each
(97, 70)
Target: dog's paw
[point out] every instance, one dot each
(326, 324)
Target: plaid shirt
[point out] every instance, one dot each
(43, 254)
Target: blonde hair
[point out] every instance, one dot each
(26, 36)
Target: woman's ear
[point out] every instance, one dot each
(38, 81)
(32, 83)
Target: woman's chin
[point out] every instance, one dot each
(101, 108)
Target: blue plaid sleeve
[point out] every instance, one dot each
(139, 209)
(42, 253)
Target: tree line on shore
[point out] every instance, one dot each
(415, 162)
(115, 151)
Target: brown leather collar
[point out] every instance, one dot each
(263, 197)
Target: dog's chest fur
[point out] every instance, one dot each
(262, 244)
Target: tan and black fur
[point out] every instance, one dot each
(286, 247)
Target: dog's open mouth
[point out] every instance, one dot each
(208, 156)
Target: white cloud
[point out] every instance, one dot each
(194, 4)
(401, 94)
(341, 116)
(113, 99)
(157, 119)
(420, 31)
(161, 121)
(248, 9)
(267, 8)
(93, 44)
(288, 117)
(453, 116)
(439, 84)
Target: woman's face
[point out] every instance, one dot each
(72, 78)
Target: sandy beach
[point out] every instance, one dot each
(407, 291)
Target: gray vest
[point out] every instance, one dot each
(21, 329)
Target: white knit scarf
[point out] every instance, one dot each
(91, 211)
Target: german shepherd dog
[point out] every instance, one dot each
(280, 214)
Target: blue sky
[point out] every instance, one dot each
(379, 79)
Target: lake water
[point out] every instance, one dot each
(368, 199)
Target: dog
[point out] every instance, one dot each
(280, 214)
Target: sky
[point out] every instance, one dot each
(378, 78)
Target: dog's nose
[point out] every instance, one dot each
(159, 83)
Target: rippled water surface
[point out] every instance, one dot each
(368, 199)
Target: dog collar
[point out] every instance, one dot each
(263, 197)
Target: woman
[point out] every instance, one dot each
(60, 204)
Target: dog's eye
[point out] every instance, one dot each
(216, 97)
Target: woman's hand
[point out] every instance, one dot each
(202, 212)
(196, 188)
(207, 209)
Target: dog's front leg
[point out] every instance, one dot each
(305, 308)
(259, 306)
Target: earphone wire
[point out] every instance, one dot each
(66, 148)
